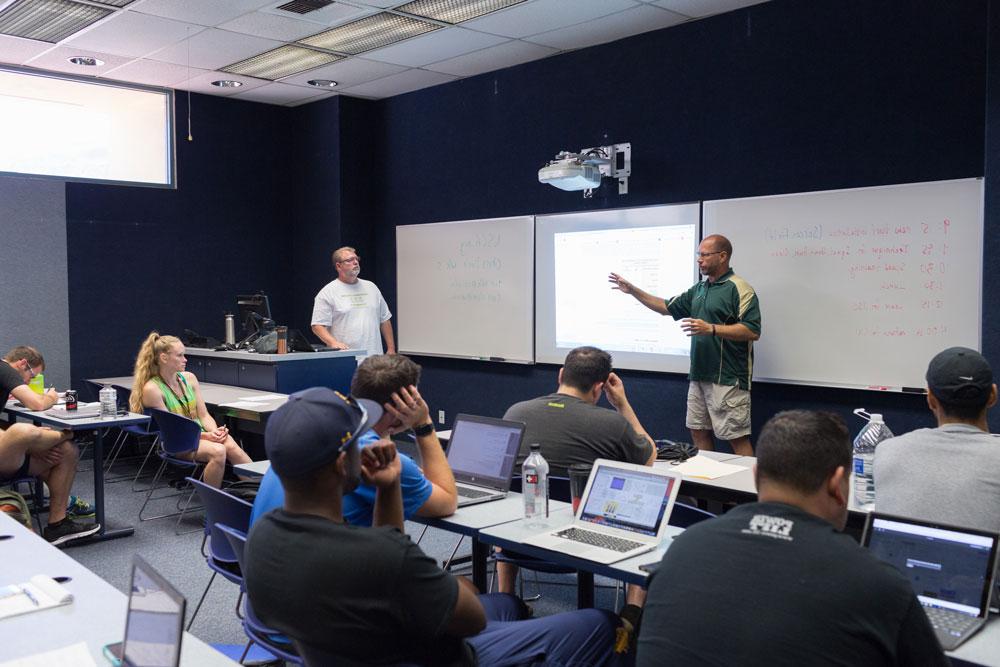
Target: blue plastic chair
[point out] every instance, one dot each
(220, 508)
(252, 626)
(179, 436)
(138, 430)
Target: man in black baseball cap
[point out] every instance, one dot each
(950, 473)
(352, 594)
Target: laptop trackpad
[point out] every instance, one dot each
(574, 547)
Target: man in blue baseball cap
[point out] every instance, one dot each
(347, 593)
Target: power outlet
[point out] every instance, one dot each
(440, 416)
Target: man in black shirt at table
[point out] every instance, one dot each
(776, 582)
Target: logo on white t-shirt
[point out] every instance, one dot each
(771, 526)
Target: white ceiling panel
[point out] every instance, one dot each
(202, 83)
(543, 15)
(496, 57)
(132, 34)
(338, 12)
(153, 73)
(349, 72)
(379, 4)
(397, 84)
(17, 51)
(213, 48)
(623, 24)
(202, 12)
(434, 46)
(701, 8)
(57, 60)
(282, 93)
(271, 26)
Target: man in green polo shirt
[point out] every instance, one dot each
(722, 317)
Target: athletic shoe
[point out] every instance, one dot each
(78, 508)
(67, 530)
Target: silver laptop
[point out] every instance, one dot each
(951, 570)
(481, 453)
(154, 625)
(623, 512)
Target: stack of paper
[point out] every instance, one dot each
(40, 592)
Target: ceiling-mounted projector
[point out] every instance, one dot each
(584, 170)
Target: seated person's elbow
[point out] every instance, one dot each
(440, 503)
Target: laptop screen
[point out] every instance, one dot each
(482, 450)
(630, 500)
(155, 620)
(947, 567)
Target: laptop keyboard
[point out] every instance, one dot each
(950, 622)
(599, 540)
(466, 492)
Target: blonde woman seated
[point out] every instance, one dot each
(161, 382)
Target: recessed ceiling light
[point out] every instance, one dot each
(455, 11)
(48, 20)
(281, 62)
(369, 33)
(86, 61)
(227, 83)
(322, 83)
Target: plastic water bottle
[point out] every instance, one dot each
(874, 432)
(109, 402)
(535, 485)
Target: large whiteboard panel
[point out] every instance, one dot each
(859, 287)
(465, 289)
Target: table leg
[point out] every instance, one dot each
(105, 533)
(584, 589)
(480, 555)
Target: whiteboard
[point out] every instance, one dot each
(862, 287)
(466, 289)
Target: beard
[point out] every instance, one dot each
(355, 272)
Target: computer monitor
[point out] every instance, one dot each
(253, 309)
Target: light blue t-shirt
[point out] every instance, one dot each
(358, 504)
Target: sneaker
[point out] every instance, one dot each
(78, 508)
(67, 530)
(628, 631)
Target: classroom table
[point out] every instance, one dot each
(285, 373)
(96, 615)
(98, 425)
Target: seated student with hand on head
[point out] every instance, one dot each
(349, 594)
(160, 381)
(391, 382)
(41, 451)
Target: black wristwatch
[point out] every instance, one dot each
(426, 429)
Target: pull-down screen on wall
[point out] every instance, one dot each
(85, 130)
(652, 247)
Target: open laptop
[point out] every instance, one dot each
(481, 453)
(623, 512)
(951, 569)
(154, 625)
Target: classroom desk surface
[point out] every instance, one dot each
(243, 355)
(237, 402)
(96, 615)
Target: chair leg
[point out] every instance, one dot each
(422, 533)
(200, 601)
(246, 651)
(444, 566)
(116, 450)
(142, 467)
(149, 496)
(239, 605)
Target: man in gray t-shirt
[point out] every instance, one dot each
(949, 474)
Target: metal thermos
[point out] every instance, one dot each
(230, 329)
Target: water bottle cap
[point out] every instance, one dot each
(876, 417)
(535, 447)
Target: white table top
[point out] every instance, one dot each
(76, 424)
(243, 355)
(96, 615)
(237, 401)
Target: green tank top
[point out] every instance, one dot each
(185, 404)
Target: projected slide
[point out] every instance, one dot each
(653, 247)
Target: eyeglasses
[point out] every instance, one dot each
(27, 367)
(353, 260)
(708, 254)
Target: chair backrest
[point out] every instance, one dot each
(685, 516)
(222, 508)
(91, 391)
(178, 434)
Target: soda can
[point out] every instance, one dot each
(71, 402)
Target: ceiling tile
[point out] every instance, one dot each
(438, 45)
(397, 84)
(349, 72)
(380, 4)
(57, 60)
(282, 93)
(132, 34)
(202, 83)
(496, 57)
(609, 28)
(213, 48)
(544, 15)
(338, 12)
(202, 12)
(702, 8)
(270, 26)
(17, 51)
(153, 73)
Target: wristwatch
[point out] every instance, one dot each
(426, 429)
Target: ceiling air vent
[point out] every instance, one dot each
(304, 6)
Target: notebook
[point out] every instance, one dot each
(951, 569)
(38, 593)
(154, 625)
(623, 512)
(481, 453)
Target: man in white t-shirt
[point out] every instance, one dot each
(350, 313)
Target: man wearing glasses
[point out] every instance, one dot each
(722, 317)
(349, 312)
(27, 450)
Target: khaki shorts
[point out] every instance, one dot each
(719, 408)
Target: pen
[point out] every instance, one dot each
(27, 593)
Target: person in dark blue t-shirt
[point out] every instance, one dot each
(428, 489)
